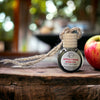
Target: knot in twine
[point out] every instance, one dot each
(27, 61)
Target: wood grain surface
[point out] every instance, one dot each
(46, 81)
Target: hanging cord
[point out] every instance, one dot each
(35, 59)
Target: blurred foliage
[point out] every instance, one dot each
(39, 10)
(6, 7)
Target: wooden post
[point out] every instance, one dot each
(21, 20)
(24, 23)
(16, 28)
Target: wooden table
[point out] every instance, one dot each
(46, 81)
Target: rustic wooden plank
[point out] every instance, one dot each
(48, 73)
(49, 92)
(46, 81)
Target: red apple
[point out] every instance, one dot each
(92, 51)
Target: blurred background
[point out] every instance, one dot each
(33, 26)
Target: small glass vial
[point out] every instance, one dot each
(70, 58)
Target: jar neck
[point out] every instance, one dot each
(70, 49)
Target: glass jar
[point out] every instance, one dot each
(70, 59)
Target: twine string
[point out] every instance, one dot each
(27, 61)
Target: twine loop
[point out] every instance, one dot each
(68, 30)
(27, 61)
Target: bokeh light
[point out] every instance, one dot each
(51, 8)
(1, 1)
(49, 16)
(33, 26)
(8, 24)
(2, 17)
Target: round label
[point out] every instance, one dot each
(70, 60)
